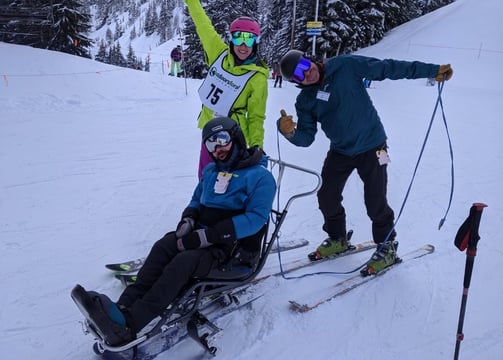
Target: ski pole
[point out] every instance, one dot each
(183, 60)
(467, 238)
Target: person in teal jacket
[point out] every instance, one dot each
(333, 95)
(225, 218)
(236, 84)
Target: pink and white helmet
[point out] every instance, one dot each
(245, 23)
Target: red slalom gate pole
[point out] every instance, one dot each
(467, 238)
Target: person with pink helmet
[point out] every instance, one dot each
(236, 83)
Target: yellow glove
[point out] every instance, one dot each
(444, 70)
(286, 125)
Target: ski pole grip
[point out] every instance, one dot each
(467, 236)
(283, 112)
(478, 208)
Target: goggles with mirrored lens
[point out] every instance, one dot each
(221, 138)
(298, 74)
(240, 37)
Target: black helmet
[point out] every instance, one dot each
(224, 123)
(288, 63)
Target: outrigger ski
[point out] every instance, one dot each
(127, 266)
(126, 279)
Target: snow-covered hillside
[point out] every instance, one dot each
(98, 162)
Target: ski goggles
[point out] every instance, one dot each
(221, 138)
(303, 65)
(243, 37)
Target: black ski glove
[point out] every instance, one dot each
(185, 226)
(197, 239)
(222, 233)
(187, 223)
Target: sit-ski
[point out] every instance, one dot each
(217, 293)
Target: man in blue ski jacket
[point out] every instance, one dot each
(333, 94)
(226, 215)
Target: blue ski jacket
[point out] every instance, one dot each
(250, 194)
(342, 106)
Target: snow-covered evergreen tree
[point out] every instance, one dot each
(118, 31)
(70, 28)
(339, 34)
(131, 61)
(132, 34)
(275, 38)
(147, 64)
(109, 36)
(164, 23)
(193, 60)
(115, 56)
(150, 21)
(102, 53)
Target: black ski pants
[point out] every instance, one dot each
(279, 79)
(336, 170)
(165, 272)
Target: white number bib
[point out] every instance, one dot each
(220, 89)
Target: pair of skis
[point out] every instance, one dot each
(312, 300)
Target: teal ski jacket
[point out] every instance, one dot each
(342, 105)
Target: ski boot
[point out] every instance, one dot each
(384, 256)
(330, 247)
(103, 315)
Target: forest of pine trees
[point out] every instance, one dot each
(66, 25)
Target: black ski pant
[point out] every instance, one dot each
(165, 272)
(279, 78)
(336, 170)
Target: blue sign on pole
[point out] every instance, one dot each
(313, 32)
